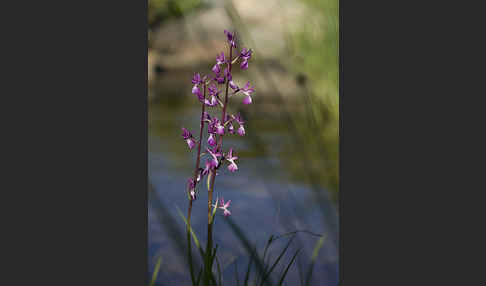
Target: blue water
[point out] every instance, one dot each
(266, 200)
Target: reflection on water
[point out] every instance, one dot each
(266, 196)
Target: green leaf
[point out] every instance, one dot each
(247, 276)
(156, 271)
(236, 274)
(209, 179)
(199, 277)
(315, 252)
(196, 241)
(288, 267)
(266, 275)
(248, 247)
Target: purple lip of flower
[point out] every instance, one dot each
(191, 184)
(206, 117)
(197, 91)
(214, 162)
(191, 142)
(241, 130)
(245, 54)
(213, 89)
(239, 119)
(207, 168)
(244, 64)
(220, 59)
(186, 134)
(219, 79)
(224, 206)
(227, 74)
(211, 140)
(212, 101)
(230, 158)
(219, 127)
(247, 91)
(196, 79)
(231, 129)
(216, 69)
(231, 38)
(234, 86)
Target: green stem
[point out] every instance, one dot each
(209, 245)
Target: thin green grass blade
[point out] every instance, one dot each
(267, 274)
(301, 274)
(194, 237)
(247, 275)
(199, 277)
(156, 271)
(247, 245)
(267, 246)
(236, 274)
(208, 183)
(315, 253)
(220, 278)
(288, 267)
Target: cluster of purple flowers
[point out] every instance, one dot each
(216, 127)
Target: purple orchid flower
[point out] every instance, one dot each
(230, 158)
(227, 74)
(231, 128)
(196, 79)
(233, 86)
(219, 127)
(219, 79)
(216, 69)
(231, 38)
(220, 59)
(247, 91)
(187, 135)
(212, 101)
(245, 55)
(207, 168)
(224, 206)
(206, 117)
(213, 93)
(191, 186)
(241, 123)
(214, 154)
(211, 140)
(213, 89)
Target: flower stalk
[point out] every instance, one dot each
(217, 128)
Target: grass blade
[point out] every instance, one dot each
(156, 271)
(267, 274)
(247, 275)
(236, 274)
(247, 245)
(315, 252)
(199, 277)
(287, 269)
(219, 272)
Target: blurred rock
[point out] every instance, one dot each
(187, 45)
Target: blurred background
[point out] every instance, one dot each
(288, 177)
